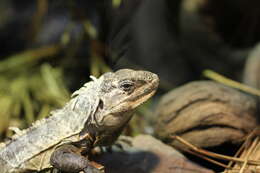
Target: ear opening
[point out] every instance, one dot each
(100, 104)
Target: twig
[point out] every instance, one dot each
(237, 154)
(243, 166)
(215, 155)
(229, 82)
(243, 148)
(208, 159)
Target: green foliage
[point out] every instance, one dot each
(29, 91)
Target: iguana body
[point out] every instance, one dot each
(95, 116)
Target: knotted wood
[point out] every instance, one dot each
(205, 114)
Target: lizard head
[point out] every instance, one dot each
(121, 92)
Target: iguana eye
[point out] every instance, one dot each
(127, 85)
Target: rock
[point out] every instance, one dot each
(147, 155)
(206, 114)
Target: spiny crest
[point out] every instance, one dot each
(86, 86)
(71, 104)
(19, 133)
(2, 144)
(34, 125)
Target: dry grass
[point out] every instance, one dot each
(246, 160)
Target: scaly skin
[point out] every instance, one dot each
(96, 115)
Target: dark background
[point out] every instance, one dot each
(48, 48)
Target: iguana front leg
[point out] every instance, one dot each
(67, 158)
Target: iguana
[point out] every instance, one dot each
(95, 116)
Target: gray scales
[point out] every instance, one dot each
(95, 116)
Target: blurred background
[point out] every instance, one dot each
(48, 48)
